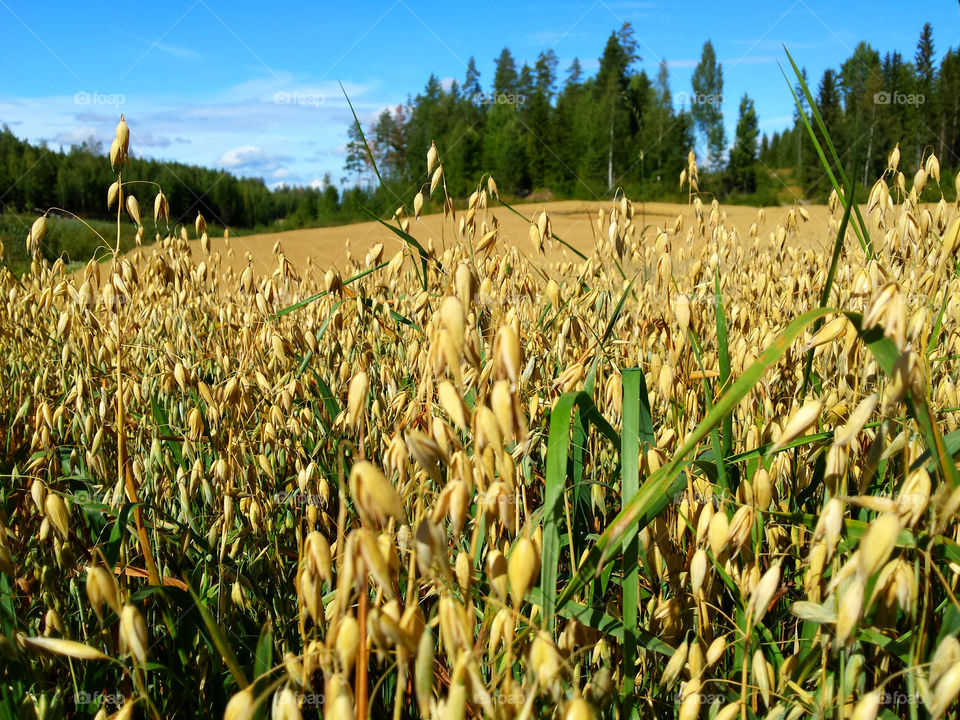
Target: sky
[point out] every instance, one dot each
(255, 88)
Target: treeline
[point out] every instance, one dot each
(34, 178)
(587, 136)
(871, 103)
(534, 131)
(542, 136)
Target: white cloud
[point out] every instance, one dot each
(178, 51)
(776, 122)
(76, 136)
(240, 156)
(149, 139)
(748, 60)
(252, 160)
(90, 116)
(725, 62)
(242, 129)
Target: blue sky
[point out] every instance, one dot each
(253, 87)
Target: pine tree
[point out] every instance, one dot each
(471, 84)
(948, 105)
(706, 106)
(659, 119)
(816, 181)
(898, 119)
(387, 142)
(925, 82)
(504, 139)
(800, 108)
(356, 160)
(546, 72)
(537, 116)
(924, 57)
(429, 120)
(861, 82)
(525, 85)
(505, 74)
(574, 73)
(828, 101)
(612, 83)
(639, 101)
(743, 155)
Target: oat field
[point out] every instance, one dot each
(575, 221)
(693, 470)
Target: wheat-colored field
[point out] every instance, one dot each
(702, 470)
(574, 221)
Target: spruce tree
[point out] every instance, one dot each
(706, 104)
(743, 155)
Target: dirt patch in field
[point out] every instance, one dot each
(574, 221)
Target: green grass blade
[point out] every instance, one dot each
(723, 355)
(616, 312)
(578, 517)
(951, 443)
(263, 662)
(556, 237)
(862, 233)
(363, 137)
(629, 485)
(935, 332)
(606, 624)
(397, 317)
(886, 353)
(558, 451)
(660, 488)
(264, 657)
(828, 286)
(220, 641)
(409, 240)
(645, 423)
(317, 296)
(161, 418)
(718, 453)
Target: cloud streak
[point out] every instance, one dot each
(262, 127)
